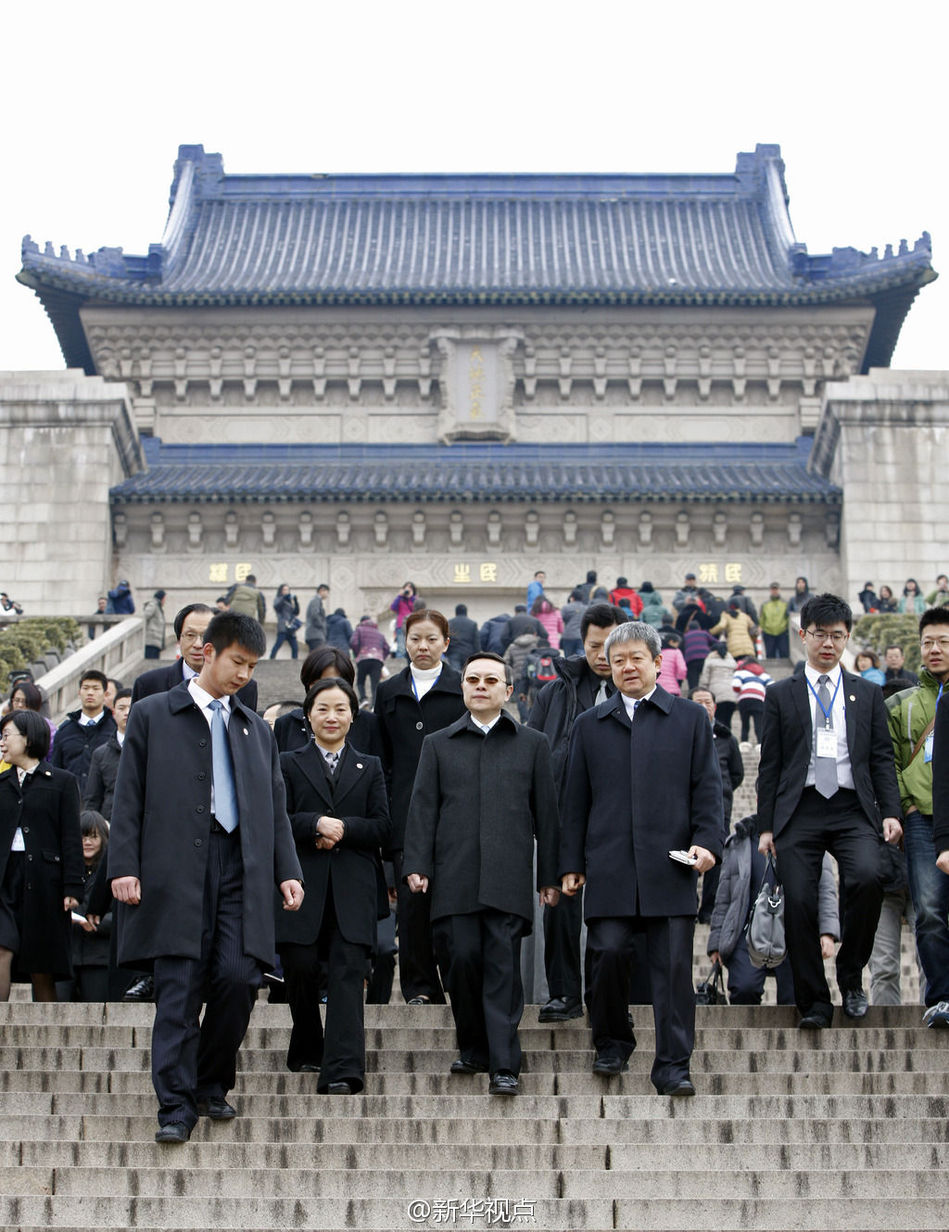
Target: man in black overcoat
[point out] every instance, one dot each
(421, 699)
(827, 782)
(199, 837)
(483, 793)
(190, 626)
(642, 780)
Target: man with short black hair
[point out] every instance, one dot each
(190, 626)
(104, 767)
(200, 836)
(314, 631)
(84, 730)
(463, 637)
(896, 668)
(826, 782)
(583, 680)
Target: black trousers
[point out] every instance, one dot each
(480, 956)
(192, 1062)
(418, 971)
(562, 946)
(840, 826)
(611, 942)
(341, 1050)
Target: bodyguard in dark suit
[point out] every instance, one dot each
(190, 626)
(421, 699)
(336, 799)
(199, 837)
(642, 779)
(484, 791)
(826, 782)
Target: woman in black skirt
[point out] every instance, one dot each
(41, 864)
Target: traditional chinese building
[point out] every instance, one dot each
(458, 379)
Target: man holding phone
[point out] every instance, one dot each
(642, 782)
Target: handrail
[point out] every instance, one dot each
(119, 649)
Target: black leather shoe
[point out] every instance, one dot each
(560, 1009)
(303, 1069)
(141, 990)
(610, 1066)
(813, 1021)
(503, 1083)
(174, 1131)
(461, 1066)
(216, 1108)
(677, 1089)
(855, 1003)
(339, 1088)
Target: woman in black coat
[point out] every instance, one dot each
(291, 730)
(340, 820)
(41, 866)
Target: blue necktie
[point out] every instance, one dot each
(225, 794)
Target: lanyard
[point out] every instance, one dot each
(826, 713)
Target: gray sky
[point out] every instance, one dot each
(96, 99)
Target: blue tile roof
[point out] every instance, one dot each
(473, 239)
(465, 473)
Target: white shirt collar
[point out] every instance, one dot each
(631, 702)
(204, 699)
(814, 674)
(187, 671)
(485, 727)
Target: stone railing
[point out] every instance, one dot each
(116, 651)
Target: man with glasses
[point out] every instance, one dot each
(190, 625)
(912, 715)
(827, 782)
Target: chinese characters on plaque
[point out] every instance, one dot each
(218, 572)
(710, 573)
(464, 574)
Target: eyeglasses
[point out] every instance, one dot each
(821, 635)
(929, 642)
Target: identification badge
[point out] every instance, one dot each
(826, 742)
(928, 747)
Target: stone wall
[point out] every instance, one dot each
(65, 439)
(883, 438)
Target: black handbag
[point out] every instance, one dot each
(712, 989)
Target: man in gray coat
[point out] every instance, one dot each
(483, 792)
(199, 837)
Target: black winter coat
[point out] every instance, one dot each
(556, 707)
(349, 870)
(632, 796)
(103, 771)
(47, 811)
(478, 805)
(74, 744)
(404, 722)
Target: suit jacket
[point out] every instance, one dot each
(161, 679)
(786, 743)
(161, 825)
(478, 805)
(404, 722)
(635, 792)
(291, 733)
(350, 869)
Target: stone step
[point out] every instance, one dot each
(218, 1151)
(662, 1215)
(805, 1059)
(254, 1090)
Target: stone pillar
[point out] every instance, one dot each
(883, 439)
(66, 438)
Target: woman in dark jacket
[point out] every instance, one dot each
(287, 608)
(291, 731)
(336, 800)
(41, 867)
(90, 940)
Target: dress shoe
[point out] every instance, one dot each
(303, 1069)
(855, 1003)
(608, 1066)
(141, 990)
(339, 1088)
(813, 1021)
(421, 1000)
(937, 1015)
(560, 1009)
(216, 1108)
(174, 1131)
(461, 1066)
(503, 1083)
(682, 1086)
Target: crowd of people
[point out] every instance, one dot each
(166, 843)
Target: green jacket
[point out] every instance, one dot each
(773, 617)
(909, 713)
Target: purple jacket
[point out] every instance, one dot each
(368, 643)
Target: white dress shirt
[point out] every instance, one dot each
(839, 712)
(203, 700)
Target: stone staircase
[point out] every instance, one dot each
(847, 1128)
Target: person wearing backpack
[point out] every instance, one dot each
(517, 657)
